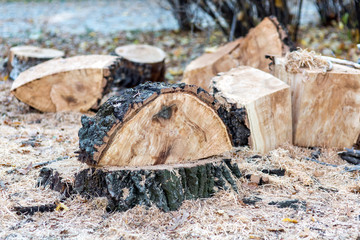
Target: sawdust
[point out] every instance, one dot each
(298, 60)
(329, 200)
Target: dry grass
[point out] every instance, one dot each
(331, 195)
(302, 58)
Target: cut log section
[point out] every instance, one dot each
(268, 38)
(264, 103)
(164, 186)
(24, 57)
(71, 84)
(139, 64)
(152, 124)
(325, 104)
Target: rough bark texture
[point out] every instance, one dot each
(98, 132)
(71, 84)
(165, 187)
(267, 38)
(139, 64)
(24, 57)
(258, 107)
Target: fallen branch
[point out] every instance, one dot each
(33, 209)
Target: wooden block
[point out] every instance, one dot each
(176, 126)
(264, 102)
(268, 38)
(70, 84)
(139, 63)
(325, 105)
(24, 57)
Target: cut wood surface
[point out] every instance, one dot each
(164, 186)
(24, 57)
(325, 105)
(75, 83)
(265, 104)
(140, 63)
(152, 124)
(268, 38)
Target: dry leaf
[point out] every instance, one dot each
(290, 220)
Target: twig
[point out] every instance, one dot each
(36, 165)
(342, 62)
(319, 162)
(352, 169)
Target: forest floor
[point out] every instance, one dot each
(311, 200)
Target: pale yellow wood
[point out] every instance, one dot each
(63, 84)
(325, 106)
(266, 100)
(264, 39)
(24, 52)
(141, 53)
(193, 131)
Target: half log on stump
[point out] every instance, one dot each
(325, 104)
(75, 83)
(24, 57)
(164, 186)
(139, 64)
(262, 102)
(268, 38)
(154, 123)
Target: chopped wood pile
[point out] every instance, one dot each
(159, 144)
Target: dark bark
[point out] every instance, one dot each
(130, 74)
(165, 188)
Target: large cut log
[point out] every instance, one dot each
(23, 57)
(164, 186)
(139, 64)
(268, 38)
(75, 83)
(154, 123)
(325, 104)
(264, 103)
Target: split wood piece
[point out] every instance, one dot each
(325, 105)
(165, 186)
(24, 57)
(264, 102)
(268, 38)
(139, 64)
(70, 84)
(154, 123)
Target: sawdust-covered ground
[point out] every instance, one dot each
(325, 199)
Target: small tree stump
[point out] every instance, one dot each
(23, 57)
(264, 103)
(71, 84)
(164, 186)
(325, 105)
(268, 38)
(139, 64)
(152, 124)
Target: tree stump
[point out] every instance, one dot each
(70, 84)
(164, 186)
(268, 38)
(263, 102)
(152, 124)
(325, 104)
(23, 57)
(139, 64)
